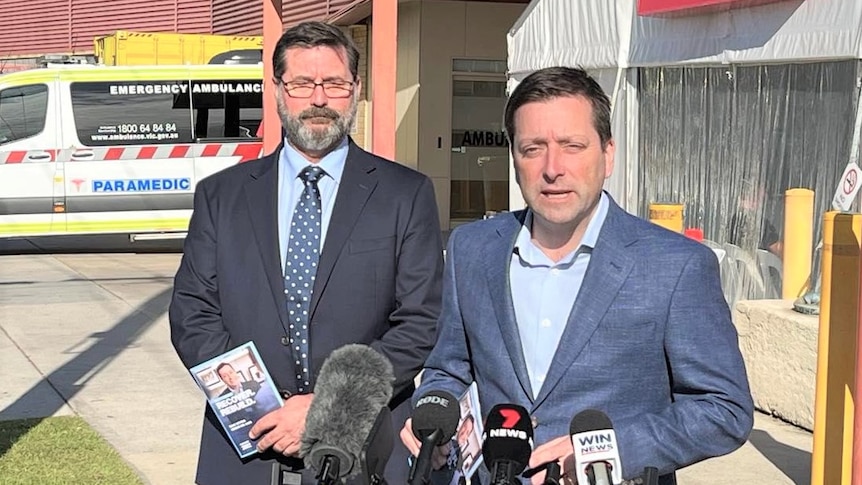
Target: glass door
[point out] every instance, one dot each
(480, 155)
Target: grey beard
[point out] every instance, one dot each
(319, 140)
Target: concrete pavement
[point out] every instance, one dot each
(88, 334)
(91, 332)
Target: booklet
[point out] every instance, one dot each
(468, 437)
(240, 391)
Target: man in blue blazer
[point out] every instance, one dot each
(366, 270)
(574, 304)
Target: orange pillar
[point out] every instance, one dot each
(272, 30)
(384, 48)
(834, 411)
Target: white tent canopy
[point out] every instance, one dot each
(598, 34)
(608, 37)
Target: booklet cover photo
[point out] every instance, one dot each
(240, 391)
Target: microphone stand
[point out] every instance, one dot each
(598, 474)
(552, 474)
(650, 475)
(421, 470)
(377, 448)
(328, 474)
(503, 473)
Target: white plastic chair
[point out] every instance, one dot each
(750, 282)
(712, 244)
(771, 270)
(729, 274)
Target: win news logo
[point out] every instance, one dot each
(596, 442)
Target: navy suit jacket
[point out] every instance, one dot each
(378, 283)
(649, 342)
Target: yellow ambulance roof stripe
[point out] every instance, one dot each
(29, 76)
(142, 225)
(133, 73)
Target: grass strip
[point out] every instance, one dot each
(59, 450)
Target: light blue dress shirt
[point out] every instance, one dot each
(290, 187)
(544, 292)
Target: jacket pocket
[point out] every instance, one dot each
(367, 245)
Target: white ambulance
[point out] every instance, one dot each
(99, 150)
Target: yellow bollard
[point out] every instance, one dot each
(798, 242)
(831, 459)
(667, 215)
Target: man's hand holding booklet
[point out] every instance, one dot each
(240, 391)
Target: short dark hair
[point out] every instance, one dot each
(314, 34)
(558, 82)
(222, 366)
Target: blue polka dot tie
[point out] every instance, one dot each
(300, 268)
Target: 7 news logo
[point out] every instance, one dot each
(511, 417)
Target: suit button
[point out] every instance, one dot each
(534, 421)
(285, 341)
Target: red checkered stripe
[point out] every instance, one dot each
(28, 156)
(246, 152)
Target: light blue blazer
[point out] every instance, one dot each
(649, 342)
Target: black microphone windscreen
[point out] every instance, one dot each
(436, 410)
(354, 383)
(590, 420)
(508, 436)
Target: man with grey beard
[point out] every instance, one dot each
(318, 245)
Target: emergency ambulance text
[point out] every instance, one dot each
(134, 89)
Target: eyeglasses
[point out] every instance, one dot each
(305, 89)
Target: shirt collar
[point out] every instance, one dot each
(594, 227)
(528, 251)
(292, 162)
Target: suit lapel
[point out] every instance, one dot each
(497, 273)
(357, 184)
(261, 192)
(609, 267)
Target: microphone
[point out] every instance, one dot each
(650, 476)
(355, 382)
(552, 472)
(377, 449)
(508, 443)
(434, 422)
(597, 456)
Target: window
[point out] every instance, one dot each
(22, 112)
(479, 162)
(479, 89)
(227, 109)
(132, 112)
(479, 66)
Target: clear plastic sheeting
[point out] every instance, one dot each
(727, 142)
